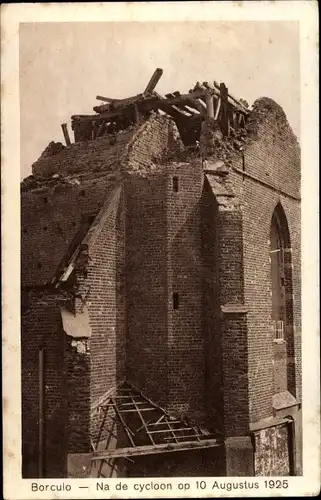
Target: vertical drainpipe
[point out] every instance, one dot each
(41, 414)
(209, 105)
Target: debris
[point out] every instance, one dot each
(52, 149)
(80, 346)
(188, 111)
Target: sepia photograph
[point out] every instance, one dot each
(160, 254)
(160, 251)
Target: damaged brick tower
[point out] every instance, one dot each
(160, 291)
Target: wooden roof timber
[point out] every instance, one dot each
(115, 103)
(198, 92)
(157, 102)
(146, 437)
(107, 99)
(153, 81)
(175, 98)
(118, 103)
(156, 449)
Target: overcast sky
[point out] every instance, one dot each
(63, 66)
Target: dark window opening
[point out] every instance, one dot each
(278, 277)
(175, 301)
(175, 184)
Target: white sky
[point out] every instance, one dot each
(63, 66)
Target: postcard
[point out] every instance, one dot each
(160, 255)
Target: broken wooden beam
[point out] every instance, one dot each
(164, 423)
(172, 432)
(217, 111)
(125, 106)
(182, 437)
(198, 104)
(209, 105)
(135, 411)
(224, 118)
(233, 99)
(106, 99)
(153, 81)
(66, 134)
(98, 118)
(117, 104)
(156, 449)
(137, 113)
(127, 429)
(160, 431)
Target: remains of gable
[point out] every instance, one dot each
(157, 143)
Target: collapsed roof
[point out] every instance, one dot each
(211, 100)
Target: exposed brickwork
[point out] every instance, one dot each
(146, 286)
(104, 154)
(51, 219)
(42, 329)
(174, 269)
(105, 300)
(280, 367)
(212, 312)
(157, 142)
(276, 179)
(186, 360)
(77, 363)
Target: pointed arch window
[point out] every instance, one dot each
(278, 276)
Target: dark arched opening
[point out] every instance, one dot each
(282, 299)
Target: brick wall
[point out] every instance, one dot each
(50, 218)
(156, 241)
(77, 365)
(212, 312)
(42, 329)
(163, 248)
(280, 379)
(104, 293)
(186, 360)
(66, 188)
(292, 210)
(62, 214)
(146, 285)
(273, 159)
(233, 323)
(157, 142)
(103, 154)
(274, 149)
